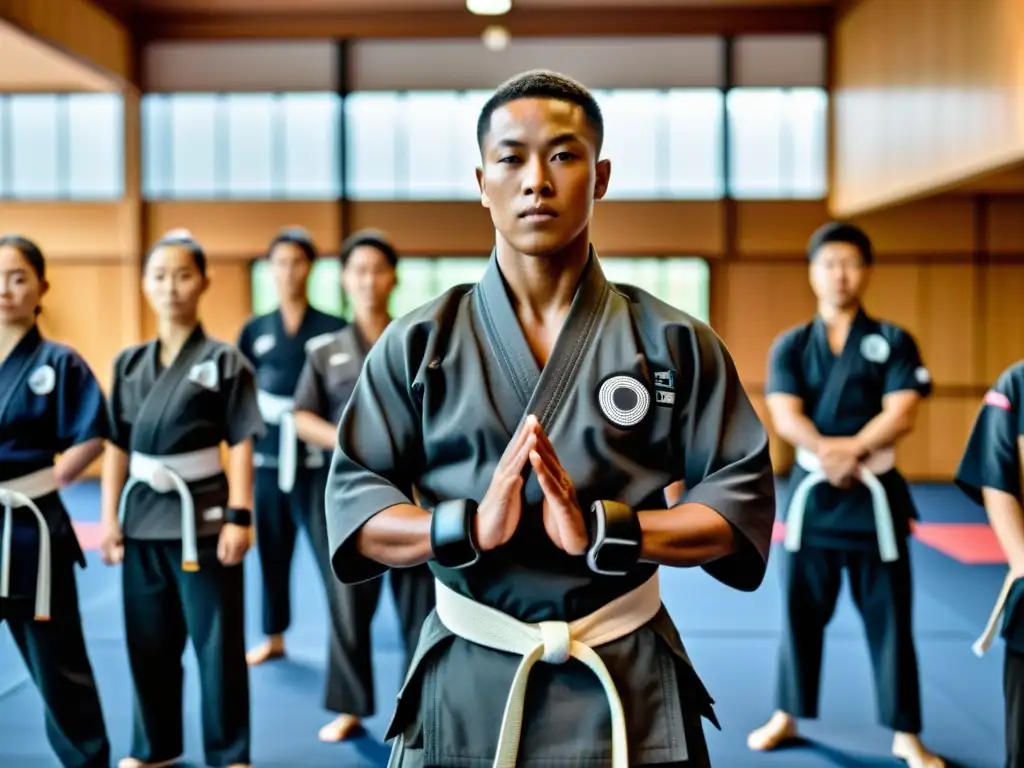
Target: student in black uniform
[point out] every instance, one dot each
(50, 403)
(990, 474)
(843, 389)
(332, 368)
(275, 345)
(179, 525)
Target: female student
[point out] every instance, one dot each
(179, 526)
(50, 403)
(333, 364)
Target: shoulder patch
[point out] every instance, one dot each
(998, 400)
(319, 341)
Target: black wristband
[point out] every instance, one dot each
(238, 516)
(451, 533)
(614, 532)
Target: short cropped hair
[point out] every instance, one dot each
(842, 232)
(542, 84)
(297, 236)
(373, 238)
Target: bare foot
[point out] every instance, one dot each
(341, 728)
(779, 729)
(270, 649)
(908, 747)
(131, 762)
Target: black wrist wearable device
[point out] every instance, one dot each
(614, 532)
(451, 533)
(238, 516)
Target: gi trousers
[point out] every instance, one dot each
(349, 687)
(54, 652)
(163, 607)
(882, 593)
(1013, 691)
(278, 517)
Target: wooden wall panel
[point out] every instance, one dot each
(77, 27)
(1002, 320)
(927, 95)
(80, 310)
(777, 229)
(756, 302)
(77, 231)
(243, 229)
(1005, 230)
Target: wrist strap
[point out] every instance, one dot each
(615, 538)
(451, 533)
(238, 516)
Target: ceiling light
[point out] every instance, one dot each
(488, 7)
(496, 38)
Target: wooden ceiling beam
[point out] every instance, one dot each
(622, 22)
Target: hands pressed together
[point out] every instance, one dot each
(500, 511)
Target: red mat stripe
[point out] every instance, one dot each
(970, 543)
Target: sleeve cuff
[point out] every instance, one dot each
(350, 566)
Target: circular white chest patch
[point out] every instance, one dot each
(875, 348)
(623, 400)
(42, 380)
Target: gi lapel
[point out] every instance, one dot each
(16, 367)
(539, 391)
(842, 366)
(165, 382)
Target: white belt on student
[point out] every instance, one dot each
(554, 642)
(21, 492)
(168, 474)
(877, 463)
(280, 410)
(983, 643)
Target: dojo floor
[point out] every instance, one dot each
(732, 638)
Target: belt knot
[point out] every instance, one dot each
(557, 641)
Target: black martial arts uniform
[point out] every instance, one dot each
(635, 396)
(831, 529)
(994, 458)
(171, 422)
(284, 465)
(325, 386)
(50, 401)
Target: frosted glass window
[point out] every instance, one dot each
(428, 145)
(467, 149)
(695, 143)
(34, 146)
(808, 121)
(633, 135)
(311, 133)
(95, 146)
(250, 145)
(193, 145)
(777, 142)
(370, 146)
(156, 145)
(5, 150)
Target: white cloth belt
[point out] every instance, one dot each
(280, 411)
(22, 492)
(554, 642)
(877, 463)
(983, 643)
(168, 474)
